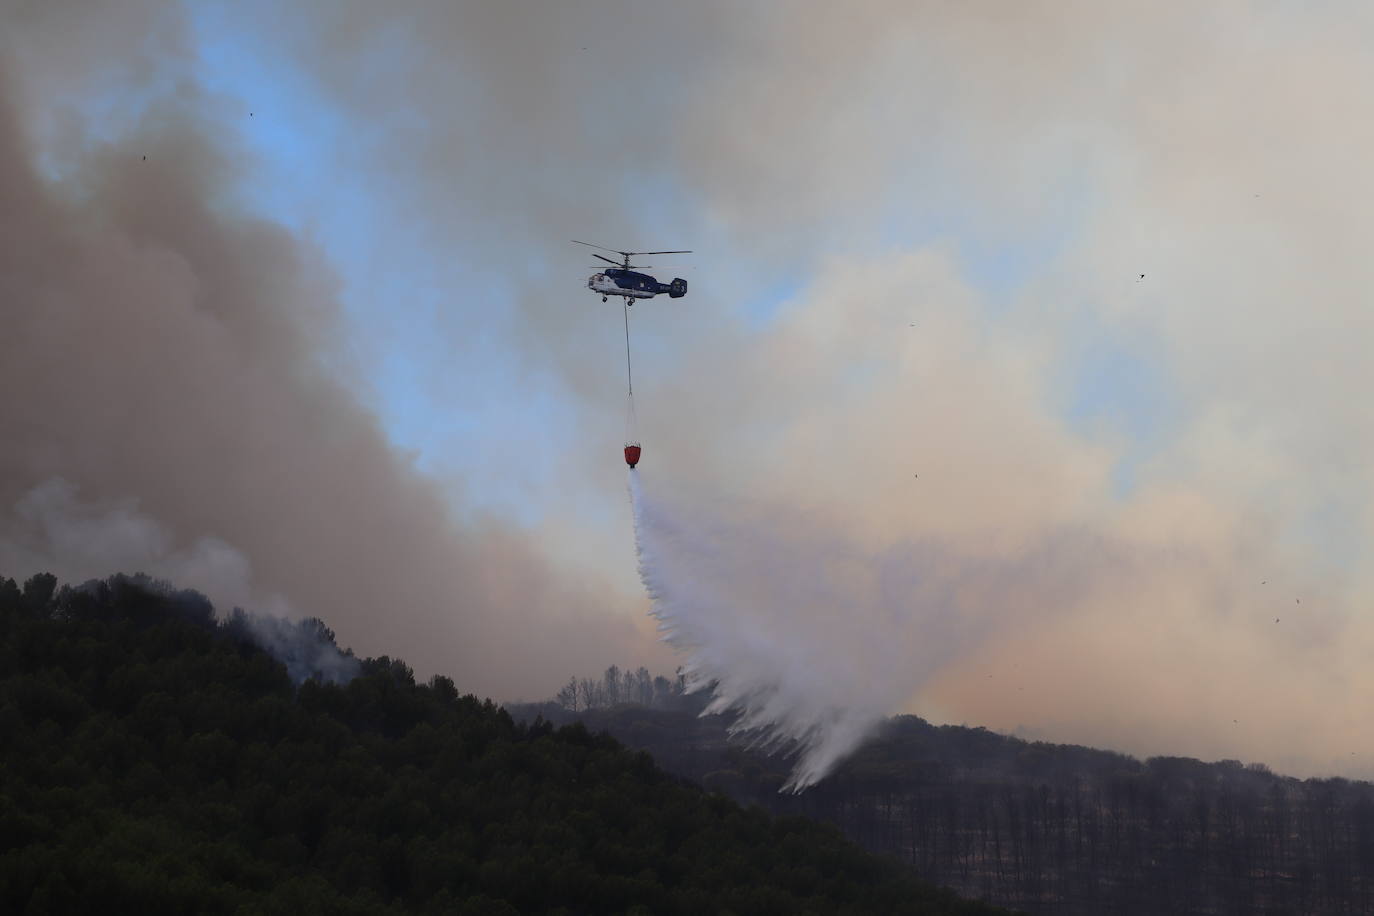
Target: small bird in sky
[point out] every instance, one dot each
(1276, 620)
(1142, 277)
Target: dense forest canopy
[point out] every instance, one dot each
(158, 760)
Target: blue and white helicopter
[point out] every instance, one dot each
(622, 279)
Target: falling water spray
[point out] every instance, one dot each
(735, 615)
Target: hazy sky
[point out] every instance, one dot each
(327, 349)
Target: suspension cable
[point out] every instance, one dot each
(629, 378)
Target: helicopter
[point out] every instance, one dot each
(622, 279)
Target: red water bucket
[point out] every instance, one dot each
(632, 455)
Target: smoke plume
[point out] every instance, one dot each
(175, 362)
(306, 647)
(52, 529)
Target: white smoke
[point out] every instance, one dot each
(784, 631)
(52, 529)
(306, 647)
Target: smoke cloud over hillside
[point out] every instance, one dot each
(1037, 341)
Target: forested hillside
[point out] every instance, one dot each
(1043, 827)
(156, 760)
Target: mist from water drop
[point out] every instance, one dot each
(763, 623)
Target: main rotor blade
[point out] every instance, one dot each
(606, 259)
(657, 252)
(603, 248)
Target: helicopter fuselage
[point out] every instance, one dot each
(617, 281)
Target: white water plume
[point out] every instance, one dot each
(769, 625)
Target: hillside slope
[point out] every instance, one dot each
(1048, 828)
(157, 761)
